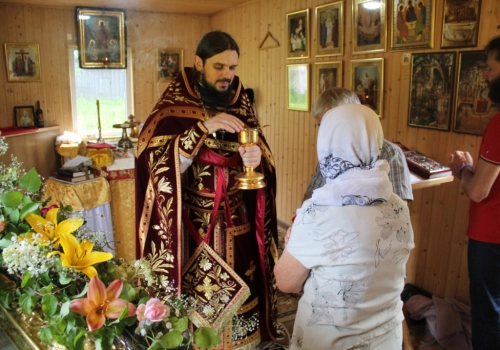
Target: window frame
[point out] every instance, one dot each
(129, 89)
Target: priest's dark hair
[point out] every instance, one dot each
(214, 43)
(493, 47)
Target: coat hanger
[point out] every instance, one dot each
(269, 35)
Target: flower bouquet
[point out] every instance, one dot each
(82, 296)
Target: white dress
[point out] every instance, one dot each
(357, 256)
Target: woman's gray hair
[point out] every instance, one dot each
(333, 97)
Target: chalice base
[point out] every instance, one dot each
(250, 181)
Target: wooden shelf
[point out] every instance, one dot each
(32, 131)
(418, 183)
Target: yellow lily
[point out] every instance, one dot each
(49, 228)
(79, 256)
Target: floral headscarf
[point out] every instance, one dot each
(349, 142)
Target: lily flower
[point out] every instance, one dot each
(80, 256)
(49, 228)
(101, 303)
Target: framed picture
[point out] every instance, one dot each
(23, 62)
(431, 89)
(330, 30)
(169, 62)
(367, 80)
(326, 76)
(368, 34)
(298, 86)
(460, 23)
(298, 32)
(24, 116)
(412, 24)
(473, 108)
(101, 38)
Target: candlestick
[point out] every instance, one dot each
(98, 115)
(99, 139)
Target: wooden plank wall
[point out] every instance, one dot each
(439, 215)
(55, 30)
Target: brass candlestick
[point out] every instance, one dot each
(250, 179)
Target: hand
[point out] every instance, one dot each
(288, 234)
(224, 121)
(457, 159)
(251, 155)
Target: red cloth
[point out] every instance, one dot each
(12, 130)
(97, 145)
(484, 217)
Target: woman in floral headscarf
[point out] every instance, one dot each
(350, 242)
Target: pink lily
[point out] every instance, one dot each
(101, 303)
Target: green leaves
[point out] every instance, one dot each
(49, 304)
(30, 181)
(206, 337)
(22, 200)
(12, 199)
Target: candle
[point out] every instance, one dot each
(98, 115)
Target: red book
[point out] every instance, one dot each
(422, 165)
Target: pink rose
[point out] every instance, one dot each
(140, 312)
(155, 311)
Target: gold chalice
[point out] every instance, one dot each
(250, 179)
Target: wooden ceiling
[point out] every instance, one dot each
(195, 7)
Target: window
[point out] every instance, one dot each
(111, 87)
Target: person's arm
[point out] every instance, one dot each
(290, 273)
(476, 182)
(399, 174)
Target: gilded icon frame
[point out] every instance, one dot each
(298, 34)
(368, 27)
(22, 62)
(169, 63)
(432, 82)
(298, 86)
(24, 116)
(329, 24)
(102, 41)
(327, 75)
(367, 81)
(473, 109)
(460, 23)
(419, 34)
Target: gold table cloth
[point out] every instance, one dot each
(85, 195)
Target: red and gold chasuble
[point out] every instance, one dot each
(175, 211)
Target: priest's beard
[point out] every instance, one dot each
(494, 94)
(212, 97)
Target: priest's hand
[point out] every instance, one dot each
(251, 155)
(223, 121)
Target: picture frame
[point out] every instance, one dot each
(102, 41)
(298, 34)
(412, 27)
(369, 26)
(432, 80)
(169, 63)
(473, 109)
(326, 76)
(298, 86)
(367, 81)
(22, 62)
(460, 23)
(329, 29)
(24, 116)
